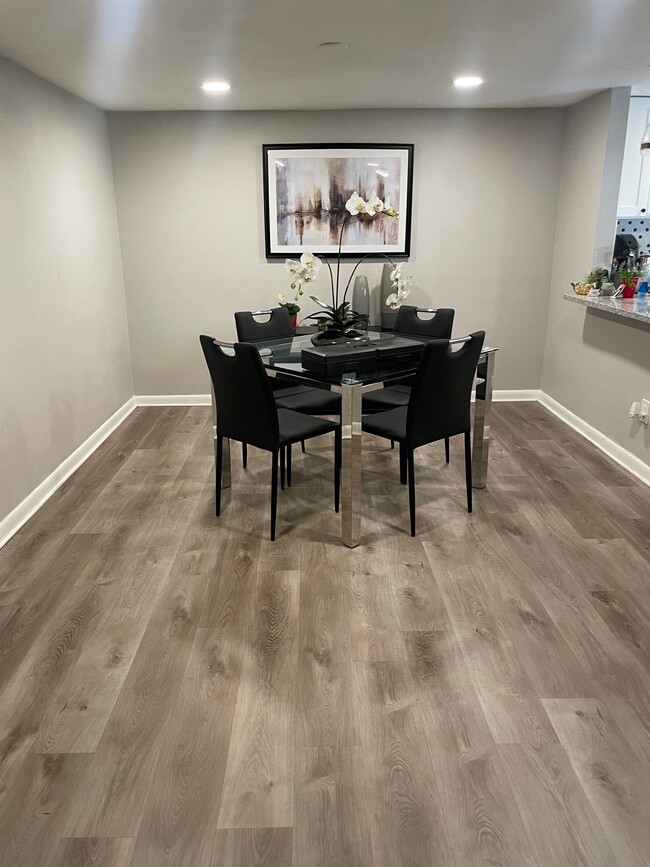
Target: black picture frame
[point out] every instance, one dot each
(310, 221)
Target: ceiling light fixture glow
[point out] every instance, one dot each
(468, 81)
(215, 86)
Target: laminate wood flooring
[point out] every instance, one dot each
(177, 690)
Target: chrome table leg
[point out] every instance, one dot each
(351, 463)
(482, 413)
(225, 467)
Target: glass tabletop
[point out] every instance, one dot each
(284, 356)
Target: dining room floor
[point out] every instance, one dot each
(178, 690)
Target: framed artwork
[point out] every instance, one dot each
(306, 187)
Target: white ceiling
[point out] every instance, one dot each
(154, 54)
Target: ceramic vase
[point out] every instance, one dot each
(361, 296)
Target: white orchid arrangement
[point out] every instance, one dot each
(403, 287)
(339, 317)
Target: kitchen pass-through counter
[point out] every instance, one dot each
(637, 308)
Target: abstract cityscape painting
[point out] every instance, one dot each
(306, 187)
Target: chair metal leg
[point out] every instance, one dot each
(468, 469)
(244, 455)
(218, 473)
(337, 468)
(402, 464)
(302, 446)
(447, 449)
(274, 492)
(289, 466)
(411, 475)
(282, 454)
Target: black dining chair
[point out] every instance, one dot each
(276, 326)
(409, 321)
(247, 412)
(438, 407)
(300, 398)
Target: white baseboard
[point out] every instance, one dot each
(204, 399)
(24, 511)
(516, 394)
(616, 452)
(172, 400)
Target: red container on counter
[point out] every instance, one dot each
(629, 287)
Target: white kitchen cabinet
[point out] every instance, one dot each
(634, 195)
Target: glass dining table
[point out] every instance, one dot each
(282, 358)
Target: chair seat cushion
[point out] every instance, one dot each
(386, 398)
(285, 387)
(296, 426)
(390, 424)
(315, 401)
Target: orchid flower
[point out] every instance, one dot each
(311, 266)
(374, 206)
(404, 283)
(283, 298)
(311, 262)
(355, 204)
(293, 267)
(403, 293)
(395, 299)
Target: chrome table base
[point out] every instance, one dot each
(482, 413)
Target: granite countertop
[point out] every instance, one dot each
(631, 308)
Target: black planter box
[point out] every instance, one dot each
(337, 360)
(380, 356)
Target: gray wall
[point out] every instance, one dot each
(594, 364)
(64, 345)
(189, 193)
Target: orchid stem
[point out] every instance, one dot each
(329, 268)
(338, 261)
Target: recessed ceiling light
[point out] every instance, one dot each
(215, 86)
(468, 81)
(333, 46)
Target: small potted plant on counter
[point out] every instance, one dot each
(292, 307)
(629, 279)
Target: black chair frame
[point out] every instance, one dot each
(438, 408)
(247, 413)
